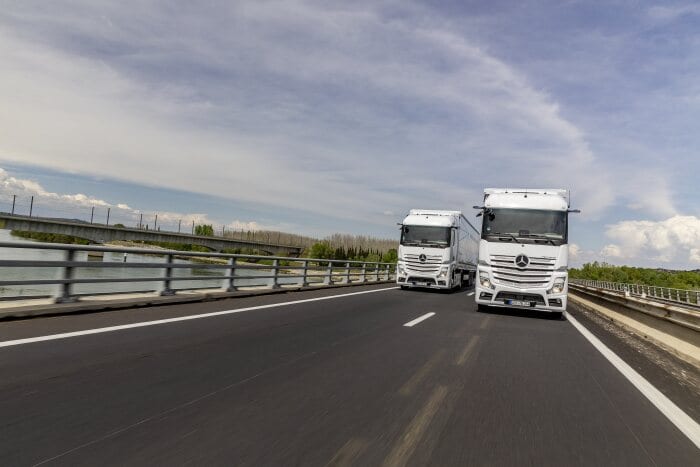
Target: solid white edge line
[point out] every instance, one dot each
(470, 294)
(680, 419)
(410, 324)
(142, 324)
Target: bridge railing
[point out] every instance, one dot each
(661, 294)
(66, 267)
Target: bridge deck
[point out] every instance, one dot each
(100, 233)
(338, 381)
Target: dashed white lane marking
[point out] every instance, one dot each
(683, 422)
(470, 294)
(142, 324)
(410, 324)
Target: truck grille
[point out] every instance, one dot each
(536, 274)
(431, 265)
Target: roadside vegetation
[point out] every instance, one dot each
(49, 237)
(326, 250)
(646, 276)
(341, 247)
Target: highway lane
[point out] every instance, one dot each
(340, 381)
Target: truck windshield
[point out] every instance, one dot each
(525, 224)
(421, 235)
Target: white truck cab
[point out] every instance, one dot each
(438, 249)
(523, 251)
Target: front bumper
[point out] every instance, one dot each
(531, 299)
(525, 298)
(430, 282)
(409, 278)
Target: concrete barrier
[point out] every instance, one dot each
(675, 330)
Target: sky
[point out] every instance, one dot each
(319, 116)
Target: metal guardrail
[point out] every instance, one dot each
(307, 271)
(682, 297)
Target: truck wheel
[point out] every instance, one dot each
(558, 316)
(404, 287)
(482, 308)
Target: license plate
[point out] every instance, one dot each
(517, 303)
(422, 284)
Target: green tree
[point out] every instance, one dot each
(321, 250)
(204, 230)
(390, 256)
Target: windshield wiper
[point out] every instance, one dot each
(499, 234)
(542, 237)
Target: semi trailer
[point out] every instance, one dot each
(523, 250)
(438, 249)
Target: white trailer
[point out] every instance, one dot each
(523, 252)
(438, 249)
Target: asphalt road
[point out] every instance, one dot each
(339, 381)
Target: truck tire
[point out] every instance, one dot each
(482, 308)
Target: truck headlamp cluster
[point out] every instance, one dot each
(485, 281)
(558, 286)
(443, 272)
(402, 270)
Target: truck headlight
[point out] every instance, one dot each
(443, 272)
(558, 286)
(485, 281)
(402, 270)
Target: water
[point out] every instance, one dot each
(36, 273)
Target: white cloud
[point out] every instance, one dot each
(674, 240)
(611, 251)
(340, 129)
(78, 206)
(574, 251)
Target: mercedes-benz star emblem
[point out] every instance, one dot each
(422, 258)
(522, 261)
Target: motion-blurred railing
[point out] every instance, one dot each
(280, 272)
(684, 297)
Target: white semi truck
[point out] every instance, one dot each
(438, 249)
(523, 252)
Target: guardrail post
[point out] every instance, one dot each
(305, 277)
(275, 275)
(346, 279)
(328, 280)
(363, 277)
(387, 273)
(376, 272)
(65, 294)
(229, 283)
(167, 290)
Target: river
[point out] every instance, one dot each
(33, 273)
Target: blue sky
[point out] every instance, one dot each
(318, 117)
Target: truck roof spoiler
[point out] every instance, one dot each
(566, 194)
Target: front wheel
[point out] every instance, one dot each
(482, 308)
